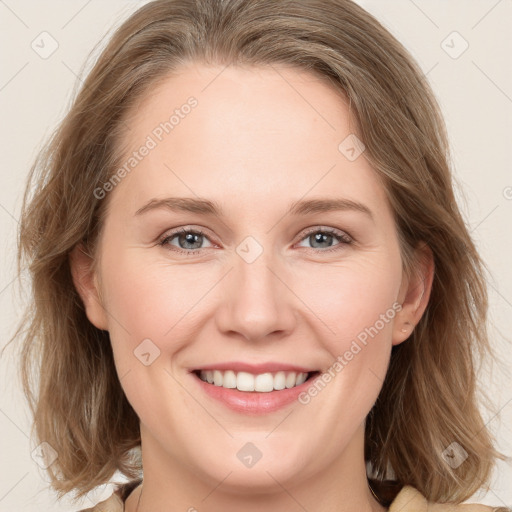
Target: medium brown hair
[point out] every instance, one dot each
(429, 398)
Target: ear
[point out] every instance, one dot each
(414, 294)
(86, 284)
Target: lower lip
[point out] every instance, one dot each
(253, 402)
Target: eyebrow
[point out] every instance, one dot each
(213, 209)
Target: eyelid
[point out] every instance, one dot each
(327, 229)
(343, 237)
(171, 233)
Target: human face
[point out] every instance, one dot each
(257, 287)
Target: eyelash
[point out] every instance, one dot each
(342, 237)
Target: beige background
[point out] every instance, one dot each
(474, 88)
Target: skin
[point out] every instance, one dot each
(258, 139)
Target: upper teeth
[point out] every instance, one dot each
(244, 381)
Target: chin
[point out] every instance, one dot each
(259, 466)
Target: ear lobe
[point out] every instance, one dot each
(416, 293)
(85, 281)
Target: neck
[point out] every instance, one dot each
(342, 486)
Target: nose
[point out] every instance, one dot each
(257, 302)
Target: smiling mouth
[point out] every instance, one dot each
(248, 382)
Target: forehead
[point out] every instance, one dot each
(239, 133)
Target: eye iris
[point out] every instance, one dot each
(320, 237)
(189, 238)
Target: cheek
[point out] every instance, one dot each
(357, 303)
(352, 296)
(142, 302)
(150, 299)
(150, 314)
(155, 300)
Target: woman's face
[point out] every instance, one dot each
(281, 276)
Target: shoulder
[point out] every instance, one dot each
(115, 503)
(411, 500)
(112, 504)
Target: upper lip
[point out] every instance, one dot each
(256, 369)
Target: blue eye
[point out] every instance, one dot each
(324, 236)
(186, 237)
(191, 240)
